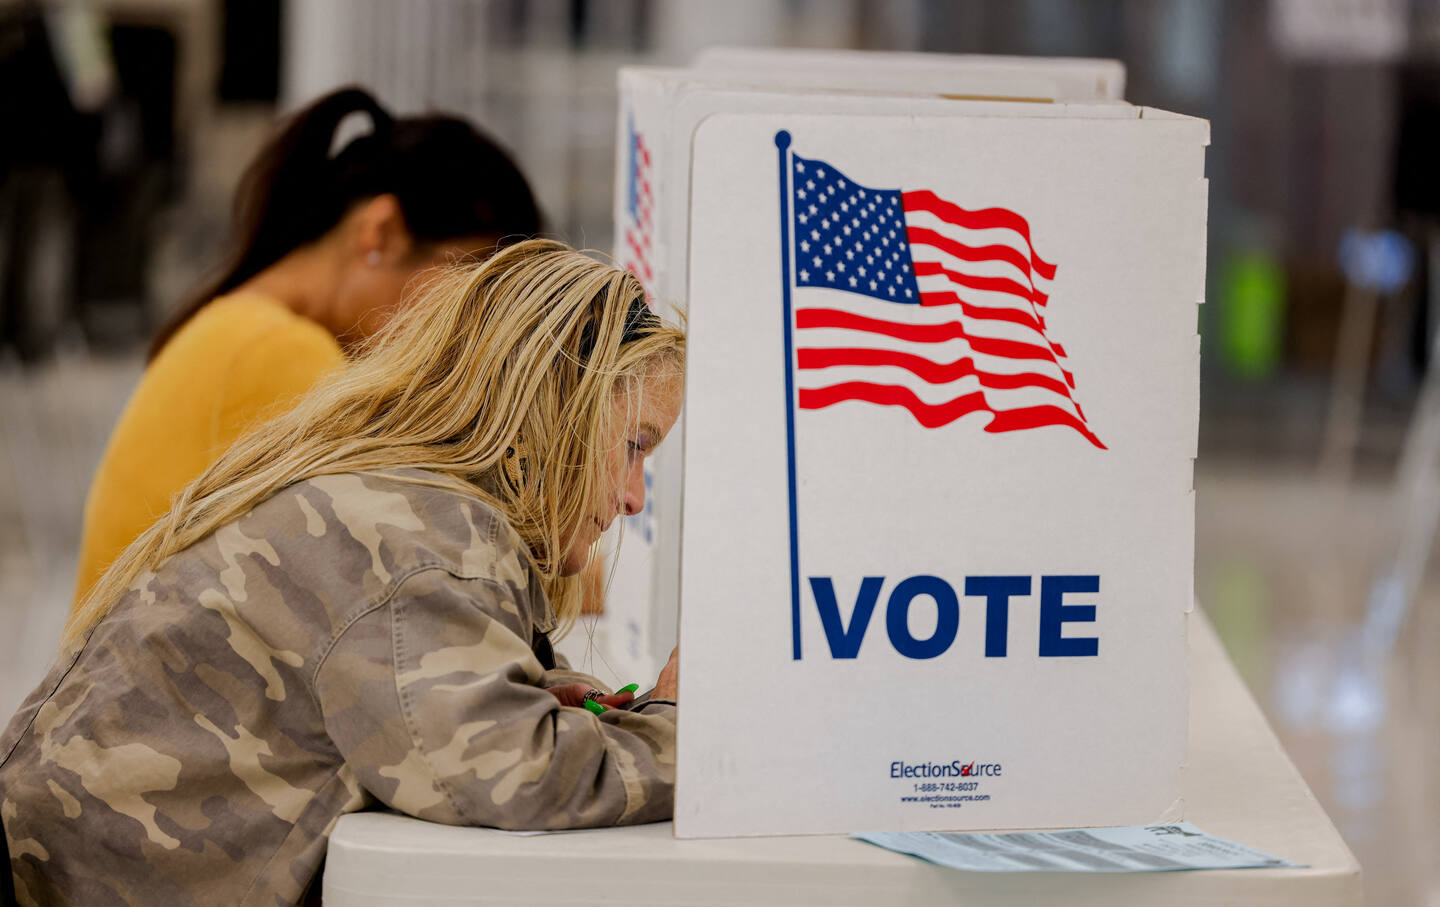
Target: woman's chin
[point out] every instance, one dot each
(574, 564)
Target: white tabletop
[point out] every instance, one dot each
(1239, 785)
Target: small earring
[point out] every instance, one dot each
(372, 258)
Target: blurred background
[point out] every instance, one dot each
(127, 122)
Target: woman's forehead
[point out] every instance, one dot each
(652, 404)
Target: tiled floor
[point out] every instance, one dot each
(1282, 565)
(53, 425)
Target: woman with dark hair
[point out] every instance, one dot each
(323, 246)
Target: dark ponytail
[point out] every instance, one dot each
(451, 182)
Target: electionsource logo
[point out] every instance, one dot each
(955, 768)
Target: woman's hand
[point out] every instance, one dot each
(573, 694)
(667, 686)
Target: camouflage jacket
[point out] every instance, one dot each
(354, 638)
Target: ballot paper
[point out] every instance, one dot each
(1138, 848)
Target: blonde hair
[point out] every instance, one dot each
(516, 362)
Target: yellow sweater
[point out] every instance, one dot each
(241, 359)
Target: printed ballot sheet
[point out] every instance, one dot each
(1150, 848)
(938, 521)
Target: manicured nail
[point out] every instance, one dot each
(628, 688)
(595, 707)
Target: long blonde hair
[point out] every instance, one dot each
(501, 378)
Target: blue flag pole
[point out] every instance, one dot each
(782, 144)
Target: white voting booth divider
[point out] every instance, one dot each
(1024, 461)
(1043, 78)
(938, 513)
(659, 112)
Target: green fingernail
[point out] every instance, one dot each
(595, 707)
(628, 688)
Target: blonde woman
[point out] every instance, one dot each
(352, 607)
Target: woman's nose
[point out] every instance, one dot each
(635, 490)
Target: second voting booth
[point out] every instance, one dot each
(934, 481)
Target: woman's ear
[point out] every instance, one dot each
(379, 234)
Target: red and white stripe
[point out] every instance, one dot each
(978, 341)
(639, 226)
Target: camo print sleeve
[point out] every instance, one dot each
(437, 702)
(563, 673)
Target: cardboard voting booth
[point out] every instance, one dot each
(660, 110)
(938, 517)
(1073, 79)
(932, 487)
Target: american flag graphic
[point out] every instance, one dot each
(903, 298)
(639, 209)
